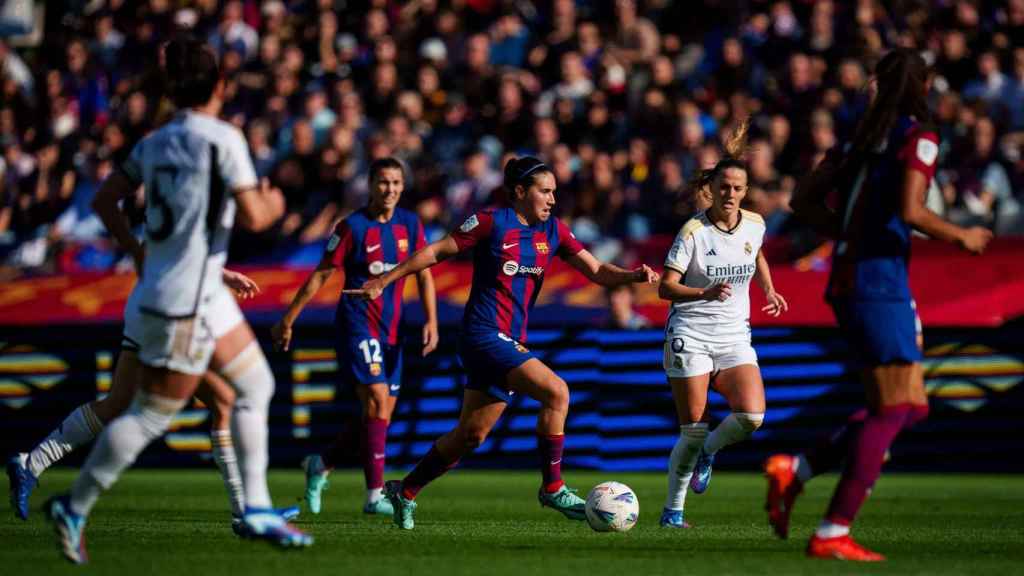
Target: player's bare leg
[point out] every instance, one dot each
(539, 382)
(480, 412)
(691, 397)
(743, 389)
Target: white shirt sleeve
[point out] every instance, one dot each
(236, 165)
(681, 252)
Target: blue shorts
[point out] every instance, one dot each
(879, 332)
(365, 361)
(488, 357)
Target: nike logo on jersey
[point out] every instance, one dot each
(373, 248)
(507, 246)
(712, 253)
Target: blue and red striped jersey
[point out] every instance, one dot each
(509, 260)
(872, 252)
(365, 248)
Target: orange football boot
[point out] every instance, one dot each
(783, 488)
(841, 548)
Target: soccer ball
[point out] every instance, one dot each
(612, 507)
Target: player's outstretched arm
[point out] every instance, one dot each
(607, 274)
(808, 201)
(671, 288)
(114, 189)
(776, 303)
(428, 297)
(921, 218)
(281, 333)
(420, 260)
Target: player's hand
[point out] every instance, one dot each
(241, 285)
(429, 337)
(371, 290)
(718, 292)
(281, 334)
(975, 239)
(776, 304)
(645, 275)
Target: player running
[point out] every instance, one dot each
(87, 421)
(707, 335)
(368, 243)
(196, 169)
(880, 178)
(512, 247)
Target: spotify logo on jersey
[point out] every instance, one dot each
(510, 268)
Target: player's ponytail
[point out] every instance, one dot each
(523, 172)
(191, 71)
(901, 77)
(735, 152)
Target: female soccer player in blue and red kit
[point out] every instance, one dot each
(512, 247)
(880, 181)
(365, 245)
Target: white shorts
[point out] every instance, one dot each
(183, 345)
(685, 357)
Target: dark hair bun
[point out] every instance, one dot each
(517, 170)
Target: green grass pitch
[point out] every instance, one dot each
(486, 523)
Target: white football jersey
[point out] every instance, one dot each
(191, 168)
(707, 255)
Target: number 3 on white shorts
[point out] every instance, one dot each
(371, 350)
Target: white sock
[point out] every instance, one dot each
(120, 444)
(80, 427)
(374, 494)
(224, 456)
(682, 461)
(831, 530)
(736, 427)
(252, 379)
(802, 468)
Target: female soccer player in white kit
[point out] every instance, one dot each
(707, 335)
(195, 168)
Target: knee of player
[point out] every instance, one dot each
(376, 400)
(220, 415)
(750, 421)
(250, 375)
(558, 394)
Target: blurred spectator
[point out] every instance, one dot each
(620, 309)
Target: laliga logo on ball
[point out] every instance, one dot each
(376, 268)
(510, 268)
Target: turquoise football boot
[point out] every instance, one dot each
(565, 501)
(403, 509)
(316, 481)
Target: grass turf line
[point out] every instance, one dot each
(484, 523)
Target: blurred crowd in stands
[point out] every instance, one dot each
(625, 99)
